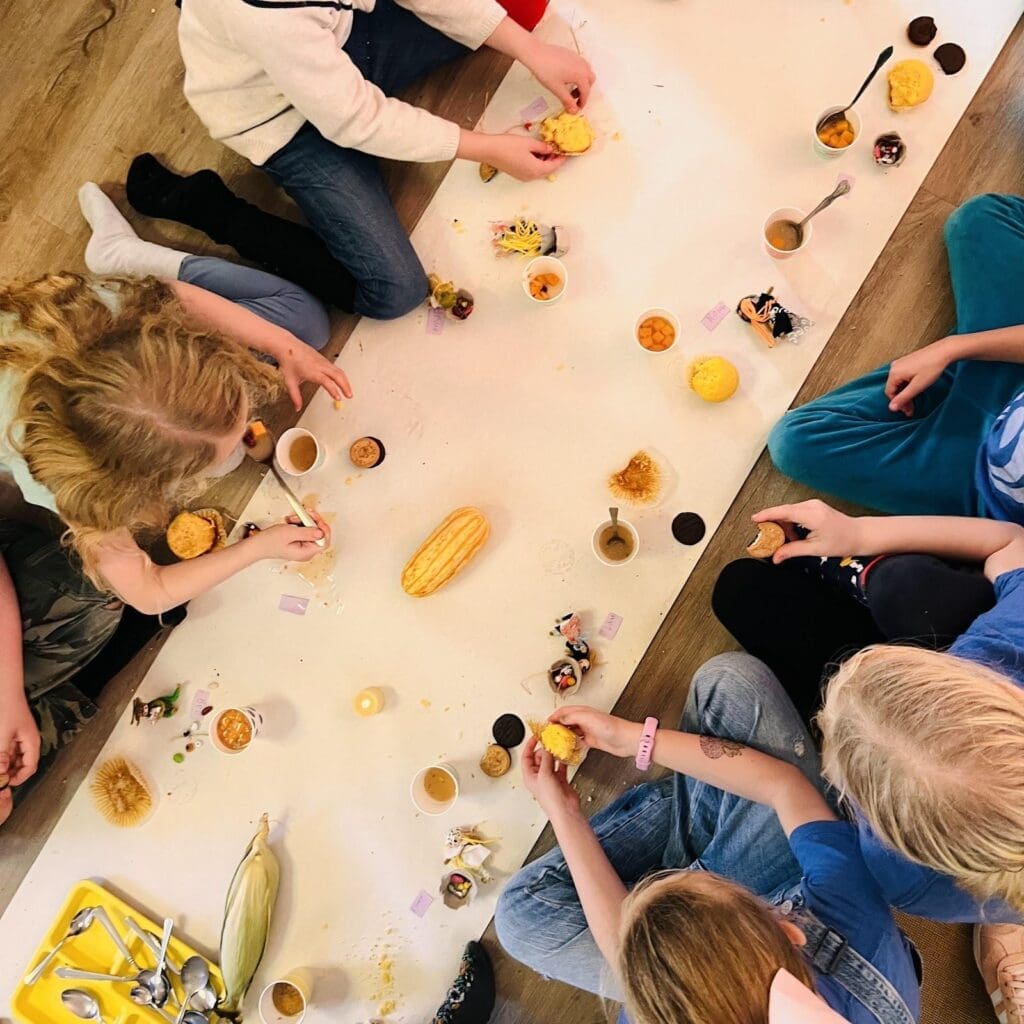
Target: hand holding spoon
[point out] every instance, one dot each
(840, 115)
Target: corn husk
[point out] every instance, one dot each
(247, 912)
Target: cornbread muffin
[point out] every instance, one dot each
(910, 84)
(192, 534)
(568, 133)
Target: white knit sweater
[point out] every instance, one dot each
(257, 70)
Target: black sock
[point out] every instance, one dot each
(202, 200)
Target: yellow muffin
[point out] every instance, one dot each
(560, 742)
(568, 133)
(713, 378)
(910, 84)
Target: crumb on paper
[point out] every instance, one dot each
(560, 366)
(424, 703)
(338, 403)
(552, 177)
(617, 137)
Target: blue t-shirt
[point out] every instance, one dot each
(842, 893)
(995, 639)
(999, 473)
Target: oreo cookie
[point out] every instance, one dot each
(951, 58)
(508, 731)
(921, 31)
(688, 528)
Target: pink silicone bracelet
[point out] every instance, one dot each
(646, 748)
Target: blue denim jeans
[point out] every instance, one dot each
(342, 192)
(677, 822)
(275, 300)
(847, 443)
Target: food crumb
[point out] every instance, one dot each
(617, 136)
(424, 703)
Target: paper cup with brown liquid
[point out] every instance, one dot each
(284, 1001)
(616, 552)
(435, 789)
(298, 452)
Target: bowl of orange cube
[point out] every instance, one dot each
(837, 136)
(656, 330)
(545, 278)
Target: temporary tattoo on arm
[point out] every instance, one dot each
(714, 748)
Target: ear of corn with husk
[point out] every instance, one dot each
(247, 911)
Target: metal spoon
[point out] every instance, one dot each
(76, 926)
(616, 537)
(839, 115)
(205, 999)
(153, 942)
(789, 235)
(115, 936)
(81, 1004)
(148, 987)
(195, 976)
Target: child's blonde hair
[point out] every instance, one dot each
(930, 748)
(697, 948)
(120, 411)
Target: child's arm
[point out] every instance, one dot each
(724, 764)
(913, 373)
(999, 545)
(19, 736)
(296, 360)
(153, 589)
(600, 889)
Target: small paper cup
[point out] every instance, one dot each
(545, 265)
(301, 980)
(254, 718)
(283, 452)
(828, 151)
(786, 213)
(423, 800)
(665, 314)
(596, 543)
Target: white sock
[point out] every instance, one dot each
(115, 248)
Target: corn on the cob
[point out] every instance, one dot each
(247, 912)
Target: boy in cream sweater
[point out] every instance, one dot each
(302, 88)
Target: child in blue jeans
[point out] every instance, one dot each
(758, 873)
(938, 431)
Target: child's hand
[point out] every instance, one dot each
(523, 157)
(299, 363)
(292, 541)
(600, 731)
(560, 69)
(830, 532)
(545, 778)
(912, 374)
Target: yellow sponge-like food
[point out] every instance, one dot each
(910, 84)
(568, 133)
(713, 378)
(560, 742)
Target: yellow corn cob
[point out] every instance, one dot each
(247, 910)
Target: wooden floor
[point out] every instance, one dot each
(80, 100)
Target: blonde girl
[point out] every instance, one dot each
(696, 891)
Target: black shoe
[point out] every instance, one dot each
(471, 998)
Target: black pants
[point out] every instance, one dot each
(802, 626)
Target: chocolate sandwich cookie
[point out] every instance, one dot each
(508, 731)
(367, 452)
(770, 537)
(688, 528)
(921, 31)
(951, 58)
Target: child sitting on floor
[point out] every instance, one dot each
(766, 878)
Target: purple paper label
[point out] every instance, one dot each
(610, 626)
(295, 605)
(534, 110)
(713, 317)
(435, 320)
(421, 904)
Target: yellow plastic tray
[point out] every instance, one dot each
(94, 950)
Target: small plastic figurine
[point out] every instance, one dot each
(444, 295)
(157, 708)
(570, 629)
(770, 319)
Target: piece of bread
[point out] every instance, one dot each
(770, 537)
(192, 534)
(910, 84)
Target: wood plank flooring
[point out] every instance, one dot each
(83, 97)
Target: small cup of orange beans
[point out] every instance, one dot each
(837, 136)
(656, 330)
(545, 278)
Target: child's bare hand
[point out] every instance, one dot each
(523, 157)
(561, 70)
(912, 374)
(600, 731)
(829, 532)
(292, 541)
(546, 780)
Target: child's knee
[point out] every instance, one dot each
(388, 300)
(975, 216)
(722, 685)
(788, 442)
(313, 324)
